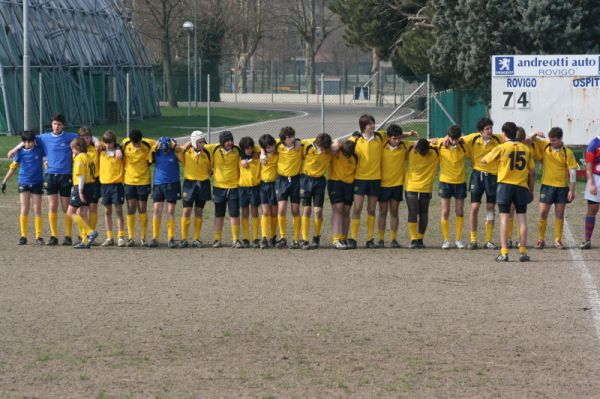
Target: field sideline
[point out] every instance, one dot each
(190, 323)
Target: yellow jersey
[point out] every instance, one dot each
(111, 169)
(137, 161)
(452, 161)
(83, 165)
(92, 152)
(515, 160)
(268, 171)
(556, 163)
(392, 165)
(480, 148)
(289, 163)
(343, 168)
(196, 165)
(226, 165)
(250, 175)
(421, 170)
(316, 160)
(369, 152)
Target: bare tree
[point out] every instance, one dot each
(313, 22)
(161, 17)
(245, 20)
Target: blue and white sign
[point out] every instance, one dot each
(541, 91)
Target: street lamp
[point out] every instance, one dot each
(188, 26)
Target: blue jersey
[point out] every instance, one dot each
(166, 168)
(30, 162)
(57, 149)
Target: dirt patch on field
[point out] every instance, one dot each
(117, 323)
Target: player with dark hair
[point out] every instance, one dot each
(453, 151)
(29, 160)
(249, 190)
(423, 160)
(592, 195)
(516, 180)
(268, 199)
(111, 174)
(340, 189)
(317, 156)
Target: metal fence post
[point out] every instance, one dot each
(322, 103)
(26, 78)
(127, 110)
(41, 99)
(428, 105)
(208, 106)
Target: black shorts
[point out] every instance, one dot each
(226, 198)
(88, 192)
(509, 194)
(112, 194)
(267, 193)
(249, 196)
(480, 183)
(97, 193)
(288, 188)
(58, 184)
(449, 190)
(32, 188)
(169, 192)
(554, 195)
(139, 193)
(196, 192)
(391, 193)
(340, 192)
(369, 188)
(312, 188)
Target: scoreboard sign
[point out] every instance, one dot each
(541, 91)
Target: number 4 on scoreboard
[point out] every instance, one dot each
(521, 99)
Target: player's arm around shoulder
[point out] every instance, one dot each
(492, 155)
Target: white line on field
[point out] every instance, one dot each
(588, 282)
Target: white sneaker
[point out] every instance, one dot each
(337, 244)
(459, 244)
(490, 245)
(446, 245)
(121, 242)
(109, 242)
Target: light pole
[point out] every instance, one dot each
(188, 26)
(26, 80)
(196, 54)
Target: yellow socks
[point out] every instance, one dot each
(68, 225)
(473, 236)
(155, 228)
(170, 229)
(282, 220)
(53, 222)
(412, 231)
(355, 224)
(23, 222)
(381, 235)
(317, 227)
(510, 227)
(255, 228)
(522, 249)
(38, 226)
(131, 226)
(370, 227)
(84, 228)
(445, 224)
(542, 224)
(93, 220)
(305, 227)
(460, 220)
(235, 232)
(265, 225)
(246, 228)
(185, 227)
(489, 230)
(504, 251)
(109, 234)
(120, 234)
(558, 229)
(394, 235)
(420, 236)
(297, 227)
(219, 234)
(197, 228)
(273, 222)
(143, 225)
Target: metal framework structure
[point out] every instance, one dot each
(80, 54)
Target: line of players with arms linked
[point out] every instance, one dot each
(379, 166)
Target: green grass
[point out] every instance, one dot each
(173, 122)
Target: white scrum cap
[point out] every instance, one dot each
(197, 135)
